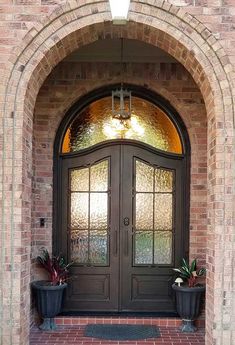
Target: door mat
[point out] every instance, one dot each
(121, 332)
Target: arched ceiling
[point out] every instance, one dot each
(109, 50)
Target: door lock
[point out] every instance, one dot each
(126, 221)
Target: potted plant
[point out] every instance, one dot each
(188, 293)
(49, 292)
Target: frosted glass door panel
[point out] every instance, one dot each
(144, 211)
(163, 247)
(98, 210)
(99, 177)
(98, 247)
(89, 212)
(163, 211)
(153, 214)
(80, 180)
(144, 177)
(143, 247)
(79, 210)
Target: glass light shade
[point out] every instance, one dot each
(119, 8)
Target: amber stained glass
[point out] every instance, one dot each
(148, 124)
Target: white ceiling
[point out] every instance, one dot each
(109, 50)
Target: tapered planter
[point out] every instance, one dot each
(188, 301)
(48, 301)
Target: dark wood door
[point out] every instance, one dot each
(122, 224)
(151, 241)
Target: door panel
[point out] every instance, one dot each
(90, 202)
(122, 225)
(153, 205)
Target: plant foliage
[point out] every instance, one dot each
(190, 273)
(55, 267)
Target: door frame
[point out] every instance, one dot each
(83, 102)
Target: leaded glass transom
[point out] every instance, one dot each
(148, 124)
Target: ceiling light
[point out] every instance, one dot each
(119, 9)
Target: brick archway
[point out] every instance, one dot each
(68, 28)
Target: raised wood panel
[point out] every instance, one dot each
(91, 287)
(151, 287)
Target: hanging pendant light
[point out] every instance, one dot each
(123, 123)
(121, 104)
(121, 99)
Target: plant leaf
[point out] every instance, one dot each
(193, 266)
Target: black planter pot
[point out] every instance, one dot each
(188, 302)
(48, 302)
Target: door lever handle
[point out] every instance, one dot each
(126, 246)
(115, 244)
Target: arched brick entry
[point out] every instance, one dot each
(69, 27)
(64, 87)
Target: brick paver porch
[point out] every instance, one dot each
(71, 332)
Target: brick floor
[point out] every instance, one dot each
(133, 320)
(74, 335)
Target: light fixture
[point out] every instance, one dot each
(122, 124)
(121, 100)
(119, 10)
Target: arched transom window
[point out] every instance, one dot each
(148, 124)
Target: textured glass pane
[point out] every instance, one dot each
(98, 247)
(163, 180)
(98, 210)
(144, 177)
(80, 180)
(144, 211)
(99, 177)
(79, 246)
(143, 247)
(163, 211)
(79, 210)
(163, 247)
(148, 124)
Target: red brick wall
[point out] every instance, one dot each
(18, 17)
(34, 37)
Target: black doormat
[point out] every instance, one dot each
(121, 332)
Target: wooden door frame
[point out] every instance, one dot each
(147, 95)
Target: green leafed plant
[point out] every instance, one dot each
(190, 273)
(55, 267)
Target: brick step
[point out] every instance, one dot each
(158, 321)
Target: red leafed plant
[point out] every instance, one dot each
(190, 273)
(55, 267)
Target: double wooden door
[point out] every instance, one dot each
(121, 214)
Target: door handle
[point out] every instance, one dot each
(115, 244)
(126, 246)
